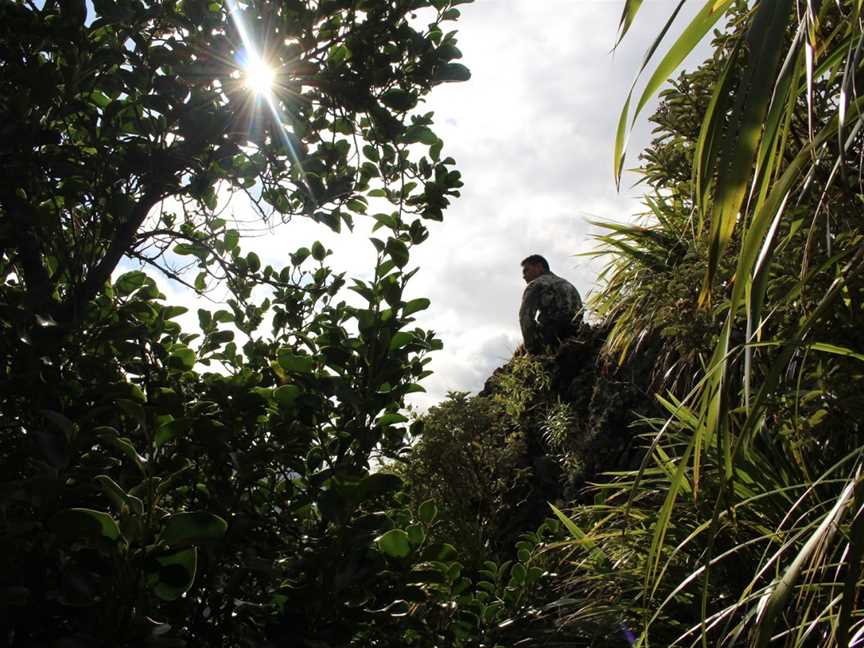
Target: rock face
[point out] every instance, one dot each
(581, 420)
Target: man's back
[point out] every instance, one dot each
(551, 310)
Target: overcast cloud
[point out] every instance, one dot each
(533, 134)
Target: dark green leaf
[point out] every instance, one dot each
(390, 419)
(416, 534)
(184, 355)
(232, 239)
(129, 282)
(318, 251)
(84, 522)
(371, 152)
(414, 306)
(394, 543)
(453, 72)
(400, 339)
(380, 483)
(399, 100)
(118, 496)
(296, 363)
(421, 134)
(428, 511)
(192, 528)
(398, 251)
(176, 574)
(170, 312)
(170, 429)
(286, 394)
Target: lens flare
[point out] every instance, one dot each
(259, 76)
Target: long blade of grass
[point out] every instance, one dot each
(793, 533)
(692, 576)
(596, 553)
(768, 160)
(775, 600)
(692, 395)
(853, 569)
(754, 415)
(708, 140)
(766, 535)
(763, 46)
(846, 86)
(754, 311)
(621, 141)
(752, 244)
(775, 371)
(836, 350)
(754, 251)
(664, 516)
(777, 112)
(689, 38)
(630, 252)
(631, 8)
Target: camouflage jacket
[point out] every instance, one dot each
(551, 307)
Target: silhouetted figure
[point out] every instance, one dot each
(551, 306)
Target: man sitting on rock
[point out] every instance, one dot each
(551, 307)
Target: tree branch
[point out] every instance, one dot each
(29, 252)
(120, 244)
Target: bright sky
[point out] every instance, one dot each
(532, 133)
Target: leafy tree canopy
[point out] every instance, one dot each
(122, 126)
(162, 485)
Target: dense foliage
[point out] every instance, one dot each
(472, 461)
(744, 523)
(212, 485)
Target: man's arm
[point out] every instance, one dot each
(528, 316)
(577, 298)
(576, 306)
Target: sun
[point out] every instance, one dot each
(258, 76)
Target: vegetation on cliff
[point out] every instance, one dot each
(733, 314)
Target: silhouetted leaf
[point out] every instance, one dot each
(84, 522)
(192, 528)
(176, 573)
(453, 72)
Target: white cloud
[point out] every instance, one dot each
(533, 134)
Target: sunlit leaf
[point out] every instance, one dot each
(736, 159)
(394, 543)
(414, 306)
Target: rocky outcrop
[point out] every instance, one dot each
(583, 420)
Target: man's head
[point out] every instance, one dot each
(534, 266)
